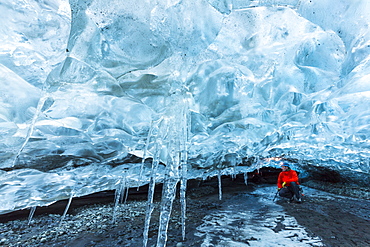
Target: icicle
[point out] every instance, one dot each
(176, 160)
(32, 212)
(246, 178)
(183, 187)
(233, 175)
(170, 182)
(66, 209)
(172, 136)
(64, 214)
(219, 185)
(152, 131)
(30, 130)
(168, 195)
(125, 191)
(184, 168)
(125, 194)
(151, 189)
(117, 197)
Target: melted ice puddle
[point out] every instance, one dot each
(253, 219)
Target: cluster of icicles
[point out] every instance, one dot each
(170, 132)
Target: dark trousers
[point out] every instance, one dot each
(290, 191)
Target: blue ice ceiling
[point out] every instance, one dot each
(196, 87)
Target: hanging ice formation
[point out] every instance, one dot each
(170, 135)
(99, 95)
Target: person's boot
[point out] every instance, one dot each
(301, 192)
(297, 200)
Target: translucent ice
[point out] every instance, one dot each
(89, 88)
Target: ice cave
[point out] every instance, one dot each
(98, 95)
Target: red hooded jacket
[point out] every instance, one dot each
(287, 177)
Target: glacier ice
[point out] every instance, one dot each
(96, 93)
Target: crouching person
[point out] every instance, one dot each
(288, 184)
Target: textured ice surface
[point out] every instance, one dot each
(88, 88)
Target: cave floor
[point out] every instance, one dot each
(244, 216)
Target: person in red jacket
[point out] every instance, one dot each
(288, 184)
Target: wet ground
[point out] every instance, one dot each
(245, 216)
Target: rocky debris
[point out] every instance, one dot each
(341, 217)
(344, 189)
(99, 225)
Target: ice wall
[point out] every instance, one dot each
(203, 88)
